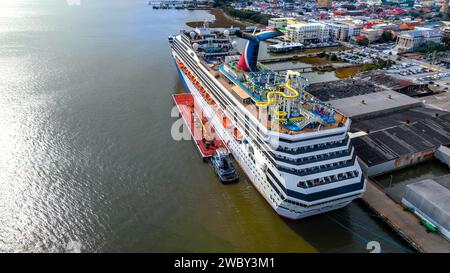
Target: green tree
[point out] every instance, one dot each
(387, 36)
(446, 41)
(333, 57)
(363, 41)
(430, 47)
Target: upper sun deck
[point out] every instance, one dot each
(212, 45)
(306, 113)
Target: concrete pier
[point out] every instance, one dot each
(403, 222)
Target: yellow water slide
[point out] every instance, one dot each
(280, 115)
(270, 95)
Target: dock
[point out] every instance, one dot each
(308, 69)
(195, 122)
(180, 4)
(405, 223)
(280, 59)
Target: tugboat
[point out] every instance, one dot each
(223, 167)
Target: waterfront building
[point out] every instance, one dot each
(308, 33)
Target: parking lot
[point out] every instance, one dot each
(418, 72)
(365, 55)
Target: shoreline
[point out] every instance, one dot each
(223, 20)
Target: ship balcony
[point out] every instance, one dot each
(317, 158)
(330, 179)
(313, 148)
(318, 169)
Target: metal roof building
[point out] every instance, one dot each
(372, 104)
(431, 201)
(400, 139)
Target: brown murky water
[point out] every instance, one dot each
(86, 154)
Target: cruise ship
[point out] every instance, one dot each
(295, 149)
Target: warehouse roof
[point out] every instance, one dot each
(326, 91)
(432, 199)
(373, 103)
(394, 135)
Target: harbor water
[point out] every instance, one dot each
(86, 153)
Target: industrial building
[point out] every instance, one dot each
(406, 87)
(390, 130)
(400, 139)
(332, 90)
(430, 200)
(374, 104)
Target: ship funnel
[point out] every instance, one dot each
(249, 56)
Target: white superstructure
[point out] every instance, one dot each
(299, 173)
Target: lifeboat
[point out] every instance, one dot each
(237, 134)
(225, 122)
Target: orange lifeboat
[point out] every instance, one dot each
(225, 122)
(237, 134)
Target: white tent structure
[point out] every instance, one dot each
(431, 201)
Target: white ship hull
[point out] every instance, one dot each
(255, 169)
